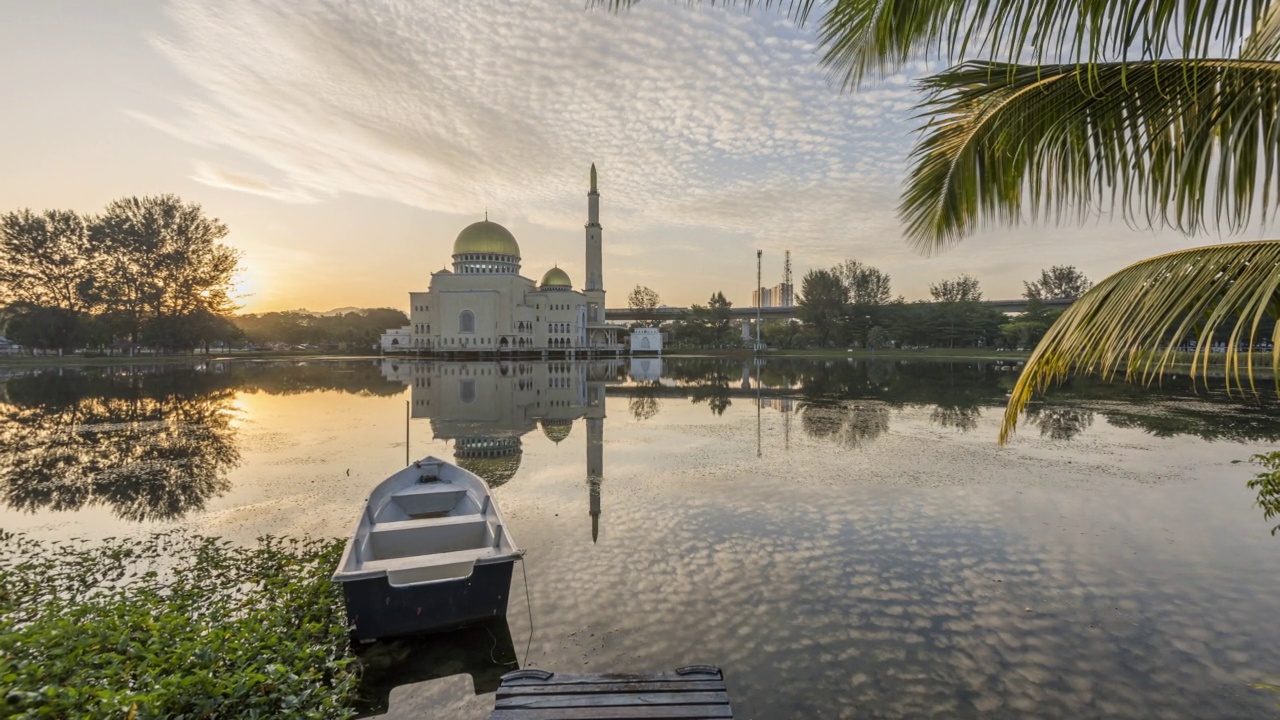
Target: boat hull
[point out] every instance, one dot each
(377, 609)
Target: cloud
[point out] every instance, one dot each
(219, 177)
(699, 118)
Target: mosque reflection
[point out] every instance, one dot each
(486, 408)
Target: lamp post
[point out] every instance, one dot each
(759, 297)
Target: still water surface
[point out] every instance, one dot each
(844, 539)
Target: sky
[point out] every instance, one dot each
(346, 144)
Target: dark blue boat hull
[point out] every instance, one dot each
(376, 609)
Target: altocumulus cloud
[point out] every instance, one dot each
(698, 117)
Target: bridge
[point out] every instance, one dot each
(782, 313)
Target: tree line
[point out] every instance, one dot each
(145, 272)
(852, 304)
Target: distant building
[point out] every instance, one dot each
(8, 347)
(484, 305)
(646, 340)
(780, 295)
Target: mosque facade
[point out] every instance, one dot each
(484, 306)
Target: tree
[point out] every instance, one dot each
(963, 289)
(47, 328)
(1164, 113)
(644, 301)
(823, 297)
(721, 322)
(878, 337)
(1060, 282)
(162, 259)
(867, 286)
(45, 258)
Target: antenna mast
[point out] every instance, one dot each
(786, 281)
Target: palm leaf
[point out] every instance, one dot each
(1132, 322)
(1187, 143)
(871, 38)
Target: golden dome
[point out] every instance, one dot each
(556, 278)
(494, 471)
(486, 237)
(557, 430)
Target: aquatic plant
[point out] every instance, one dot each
(172, 625)
(1267, 484)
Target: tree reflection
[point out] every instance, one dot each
(1059, 422)
(957, 417)
(146, 450)
(850, 424)
(643, 403)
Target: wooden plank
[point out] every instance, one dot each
(549, 688)
(559, 679)
(614, 700)
(657, 712)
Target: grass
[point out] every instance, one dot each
(173, 625)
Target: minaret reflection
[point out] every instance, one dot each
(595, 454)
(486, 408)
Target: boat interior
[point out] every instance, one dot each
(433, 526)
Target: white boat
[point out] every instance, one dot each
(430, 552)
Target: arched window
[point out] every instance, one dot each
(466, 321)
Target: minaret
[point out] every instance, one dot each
(595, 267)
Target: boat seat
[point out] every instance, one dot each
(428, 498)
(413, 561)
(425, 522)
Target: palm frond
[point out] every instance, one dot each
(1133, 321)
(1189, 144)
(796, 10)
(1264, 42)
(864, 38)
(872, 38)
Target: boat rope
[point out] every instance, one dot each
(529, 604)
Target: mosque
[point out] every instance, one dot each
(485, 307)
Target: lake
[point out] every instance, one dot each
(844, 539)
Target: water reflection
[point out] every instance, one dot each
(1058, 422)
(485, 409)
(485, 652)
(150, 447)
(152, 443)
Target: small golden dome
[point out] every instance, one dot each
(486, 237)
(557, 430)
(556, 278)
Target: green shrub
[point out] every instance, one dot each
(172, 625)
(1268, 485)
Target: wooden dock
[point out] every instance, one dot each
(696, 692)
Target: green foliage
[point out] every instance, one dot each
(355, 330)
(644, 301)
(823, 296)
(866, 285)
(45, 259)
(706, 326)
(1267, 484)
(173, 626)
(48, 328)
(878, 337)
(1060, 282)
(148, 269)
(1130, 324)
(964, 288)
